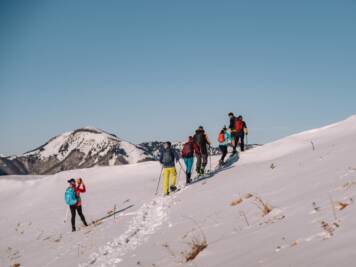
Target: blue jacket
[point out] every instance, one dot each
(228, 139)
(168, 158)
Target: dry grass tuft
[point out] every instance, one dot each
(197, 242)
(248, 195)
(263, 206)
(342, 205)
(236, 202)
(197, 246)
(294, 244)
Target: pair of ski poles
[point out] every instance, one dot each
(180, 170)
(160, 176)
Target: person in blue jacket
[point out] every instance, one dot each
(224, 140)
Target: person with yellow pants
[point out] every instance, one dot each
(168, 159)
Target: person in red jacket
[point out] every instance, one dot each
(79, 187)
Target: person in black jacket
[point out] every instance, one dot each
(238, 129)
(202, 140)
(233, 132)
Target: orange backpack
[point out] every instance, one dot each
(221, 138)
(238, 125)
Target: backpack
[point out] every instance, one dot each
(167, 156)
(238, 125)
(187, 150)
(200, 138)
(221, 138)
(70, 197)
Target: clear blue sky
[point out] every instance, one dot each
(155, 70)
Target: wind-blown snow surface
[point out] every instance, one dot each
(307, 183)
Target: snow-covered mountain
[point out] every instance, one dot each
(287, 203)
(82, 148)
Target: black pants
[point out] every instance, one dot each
(202, 161)
(241, 137)
(223, 150)
(73, 210)
(238, 137)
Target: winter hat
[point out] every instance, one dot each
(71, 181)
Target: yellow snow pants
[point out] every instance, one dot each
(167, 173)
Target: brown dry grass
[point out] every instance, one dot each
(197, 246)
(294, 244)
(197, 242)
(248, 195)
(236, 202)
(342, 205)
(263, 206)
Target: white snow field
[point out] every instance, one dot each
(287, 203)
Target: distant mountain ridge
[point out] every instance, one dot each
(81, 148)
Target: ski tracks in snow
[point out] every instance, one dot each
(146, 222)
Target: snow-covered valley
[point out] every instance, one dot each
(287, 203)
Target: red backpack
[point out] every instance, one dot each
(221, 138)
(187, 150)
(238, 125)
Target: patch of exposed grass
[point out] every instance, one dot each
(197, 245)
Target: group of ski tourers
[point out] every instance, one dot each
(197, 145)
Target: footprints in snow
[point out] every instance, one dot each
(145, 223)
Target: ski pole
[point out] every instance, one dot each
(159, 180)
(180, 170)
(66, 217)
(181, 166)
(210, 156)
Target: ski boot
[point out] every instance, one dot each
(173, 188)
(189, 180)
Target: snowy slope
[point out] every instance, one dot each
(82, 148)
(288, 203)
